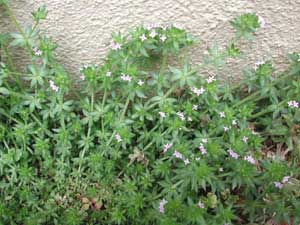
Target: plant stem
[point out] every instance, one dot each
(254, 116)
(121, 118)
(102, 106)
(88, 135)
(257, 93)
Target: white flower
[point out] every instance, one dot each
(204, 140)
(221, 169)
(197, 158)
(210, 79)
(167, 147)
(115, 45)
(195, 107)
(143, 37)
(178, 155)
(181, 115)
(190, 119)
(186, 161)
(198, 91)
(245, 139)
(257, 64)
(226, 128)
(285, 179)
(53, 86)
(233, 154)
(202, 149)
(108, 74)
(163, 38)
(261, 21)
(222, 114)
(234, 122)
(153, 33)
(126, 77)
(140, 82)
(82, 77)
(37, 51)
(278, 184)
(250, 159)
(162, 204)
(162, 114)
(118, 137)
(293, 104)
(201, 205)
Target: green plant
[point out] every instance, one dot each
(144, 142)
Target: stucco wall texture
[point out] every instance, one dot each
(83, 28)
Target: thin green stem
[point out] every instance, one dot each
(88, 136)
(255, 95)
(102, 107)
(121, 118)
(268, 110)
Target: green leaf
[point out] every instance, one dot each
(18, 40)
(40, 14)
(4, 91)
(245, 25)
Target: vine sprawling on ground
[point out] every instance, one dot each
(144, 142)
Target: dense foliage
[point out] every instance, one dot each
(144, 142)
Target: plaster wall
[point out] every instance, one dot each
(83, 28)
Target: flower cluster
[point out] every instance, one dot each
(284, 180)
(197, 91)
(53, 86)
(293, 104)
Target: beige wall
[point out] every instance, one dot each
(82, 28)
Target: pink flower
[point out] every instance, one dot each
(245, 139)
(202, 149)
(210, 79)
(222, 114)
(195, 107)
(162, 114)
(53, 86)
(278, 184)
(126, 77)
(178, 155)
(115, 46)
(143, 37)
(140, 82)
(198, 91)
(181, 115)
(167, 147)
(163, 38)
(118, 137)
(250, 159)
(285, 179)
(201, 205)
(162, 204)
(233, 154)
